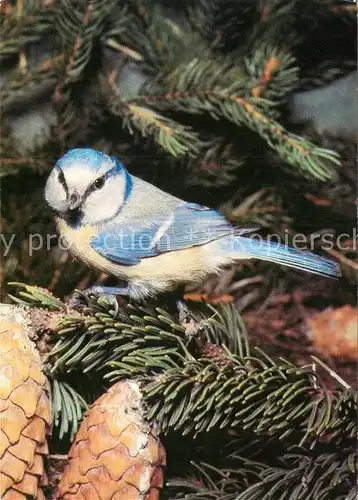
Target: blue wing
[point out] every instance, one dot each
(189, 225)
(126, 246)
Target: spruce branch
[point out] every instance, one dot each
(117, 29)
(23, 83)
(218, 164)
(273, 72)
(82, 28)
(174, 138)
(36, 296)
(300, 475)
(68, 407)
(126, 33)
(264, 208)
(295, 150)
(280, 19)
(24, 26)
(308, 476)
(248, 395)
(223, 27)
(243, 87)
(203, 86)
(79, 28)
(168, 36)
(202, 379)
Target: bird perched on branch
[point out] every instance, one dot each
(152, 240)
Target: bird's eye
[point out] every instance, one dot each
(98, 183)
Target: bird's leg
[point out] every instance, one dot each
(79, 298)
(109, 290)
(176, 305)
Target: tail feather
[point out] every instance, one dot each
(281, 254)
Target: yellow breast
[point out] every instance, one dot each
(77, 241)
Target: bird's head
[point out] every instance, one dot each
(87, 186)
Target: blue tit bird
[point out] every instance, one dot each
(152, 240)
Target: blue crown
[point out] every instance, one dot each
(91, 158)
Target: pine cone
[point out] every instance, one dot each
(25, 414)
(116, 454)
(335, 332)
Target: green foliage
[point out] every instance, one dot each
(186, 79)
(25, 24)
(300, 476)
(197, 90)
(174, 138)
(36, 296)
(203, 377)
(67, 409)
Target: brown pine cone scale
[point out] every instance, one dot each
(116, 454)
(25, 415)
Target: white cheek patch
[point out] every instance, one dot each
(55, 193)
(103, 204)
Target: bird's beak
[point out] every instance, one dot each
(74, 201)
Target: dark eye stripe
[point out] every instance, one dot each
(97, 184)
(102, 180)
(62, 180)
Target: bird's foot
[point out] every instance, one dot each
(79, 300)
(183, 312)
(193, 327)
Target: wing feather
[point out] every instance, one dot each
(189, 225)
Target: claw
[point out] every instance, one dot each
(79, 300)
